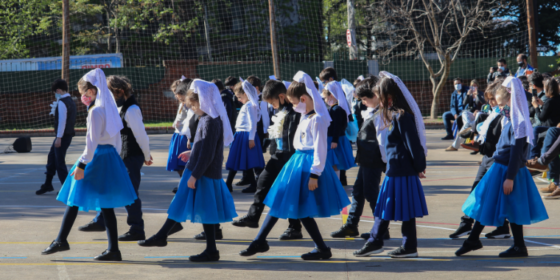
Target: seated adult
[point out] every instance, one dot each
(548, 113)
(456, 108)
(549, 160)
(472, 105)
(536, 84)
(501, 71)
(524, 68)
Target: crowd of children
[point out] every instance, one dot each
(308, 127)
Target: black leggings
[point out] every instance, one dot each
(110, 225)
(209, 230)
(516, 230)
(249, 175)
(309, 224)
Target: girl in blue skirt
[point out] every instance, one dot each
(507, 190)
(202, 196)
(401, 197)
(245, 152)
(99, 179)
(340, 154)
(306, 187)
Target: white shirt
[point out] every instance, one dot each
(62, 115)
(311, 134)
(186, 130)
(97, 135)
(381, 129)
(264, 115)
(133, 118)
(247, 120)
(181, 116)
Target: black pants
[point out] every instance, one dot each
(365, 188)
(266, 179)
(408, 230)
(485, 164)
(56, 161)
(133, 166)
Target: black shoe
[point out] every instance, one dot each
(345, 230)
(448, 137)
(403, 253)
(474, 153)
(291, 234)
(92, 226)
(255, 247)
(245, 221)
(109, 256)
(464, 229)
(467, 134)
(202, 235)
(206, 257)
(176, 228)
(250, 189)
(175, 189)
(369, 249)
(56, 246)
(468, 246)
(499, 232)
(132, 236)
(366, 235)
(317, 254)
(44, 189)
(514, 252)
(242, 182)
(153, 241)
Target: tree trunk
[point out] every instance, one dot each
(108, 30)
(437, 87)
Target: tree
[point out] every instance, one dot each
(420, 27)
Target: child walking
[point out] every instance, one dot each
(401, 197)
(307, 186)
(99, 179)
(202, 196)
(507, 190)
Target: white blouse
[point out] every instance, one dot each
(133, 118)
(181, 116)
(265, 116)
(62, 115)
(247, 120)
(311, 134)
(98, 135)
(186, 131)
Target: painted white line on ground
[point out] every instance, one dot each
(21, 173)
(62, 272)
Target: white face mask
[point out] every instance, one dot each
(331, 102)
(458, 86)
(300, 108)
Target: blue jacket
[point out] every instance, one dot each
(405, 154)
(521, 71)
(457, 106)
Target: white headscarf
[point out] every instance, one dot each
(413, 106)
(320, 83)
(318, 104)
(253, 95)
(348, 89)
(336, 90)
(241, 79)
(182, 78)
(211, 104)
(287, 84)
(519, 109)
(113, 122)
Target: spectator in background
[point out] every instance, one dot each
(524, 68)
(456, 108)
(472, 104)
(527, 87)
(227, 99)
(230, 83)
(537, 89)
(501, 71)
(547, 113)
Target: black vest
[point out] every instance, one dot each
(129, 145)
(368, 154)
(70, 116)
(492, 137)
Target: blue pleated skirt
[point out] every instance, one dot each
(401, 199)
(209, 203)
(342, 157)
(352, 130)
(290, 197)
(106, 183)
(177, 146)
(490, 206)
(241, 157)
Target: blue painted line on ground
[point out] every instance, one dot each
(511, 261)
(166, 257)
(549, 262)
(534, 236)
(277, 257)
(69, 258)
(13, 257)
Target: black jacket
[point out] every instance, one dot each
(549, 115)
(130, 146)
(492, 137)
(291, 123)
(470, 104)
(338, 124)
(227, 99)
(368, 154)
(358, 108)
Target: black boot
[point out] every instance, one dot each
(346, 230)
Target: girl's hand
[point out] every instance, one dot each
(313, 184)
(149, 162)
(184, 156)
(251, 144)
(78, 174)
(189, 144)
(191, 183)
(422, 174)
(508, 186)
(334, 145)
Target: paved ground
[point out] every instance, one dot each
(28, 223)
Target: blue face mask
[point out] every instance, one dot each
(502, 68)
(505, 111)
(57, 96)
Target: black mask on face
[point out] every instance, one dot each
(120, 101)
(521, 64)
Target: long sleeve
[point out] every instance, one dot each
(338, 124)
(133, 118)
(181, 116)
(411, 140)
(319, 132)
(252, 121)
(206, 144)
(264, 115)
(95, 126)
(62, 115)
(516, 158)
(452, 106)
(382, 132)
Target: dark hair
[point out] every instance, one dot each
(536, 79)
(457, 79)
(327, 74)
(176, 84)
(183, 87)
(389, 88)
(523, 56)
(551, 87)
(119, 83)
(272, 89)
(366, 86)
(230, 81)
(297, 90)
(525, 82)
(59, 84)
(316, 84)
(503, 61)
(255, 81)
(219, 84)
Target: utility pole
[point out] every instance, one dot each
(532, 34)
(66, 41)
(351, 32)
(274, 47)
(207, 33)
